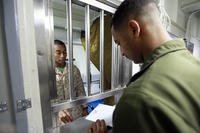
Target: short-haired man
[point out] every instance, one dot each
(62, 84)
(164, 97)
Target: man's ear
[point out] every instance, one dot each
(134, 27)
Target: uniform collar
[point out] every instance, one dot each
(163, 49)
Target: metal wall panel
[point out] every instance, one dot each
(14, 61)
(7, 117)
(43, 27)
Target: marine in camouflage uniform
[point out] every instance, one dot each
(62, 83)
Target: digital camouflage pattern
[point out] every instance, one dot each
(62, 84)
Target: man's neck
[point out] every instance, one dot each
(60, 66)
(155, 40)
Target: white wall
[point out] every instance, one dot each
(193, 33)
(80, 62)
(196, 50)
(135, 68)
(177, 16)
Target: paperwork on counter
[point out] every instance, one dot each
(102, 111)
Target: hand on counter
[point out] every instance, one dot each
(98, 127)
(65, 116)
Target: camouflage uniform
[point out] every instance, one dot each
(62, 83)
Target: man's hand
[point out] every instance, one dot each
(64, 116)
(98, 127)
(85, 110)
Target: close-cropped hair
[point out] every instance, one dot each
(58, 42)
(128, 8)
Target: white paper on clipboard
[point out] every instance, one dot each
(102, 111)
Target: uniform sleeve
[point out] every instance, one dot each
(79, 88)
(78, 83)
(140, 114)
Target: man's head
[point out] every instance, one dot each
(129, 9)
(60, 53)
(136, 27)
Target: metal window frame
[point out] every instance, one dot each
(87, 43)
(115, 89)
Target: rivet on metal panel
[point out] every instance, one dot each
(3, 106)
(23, 104)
